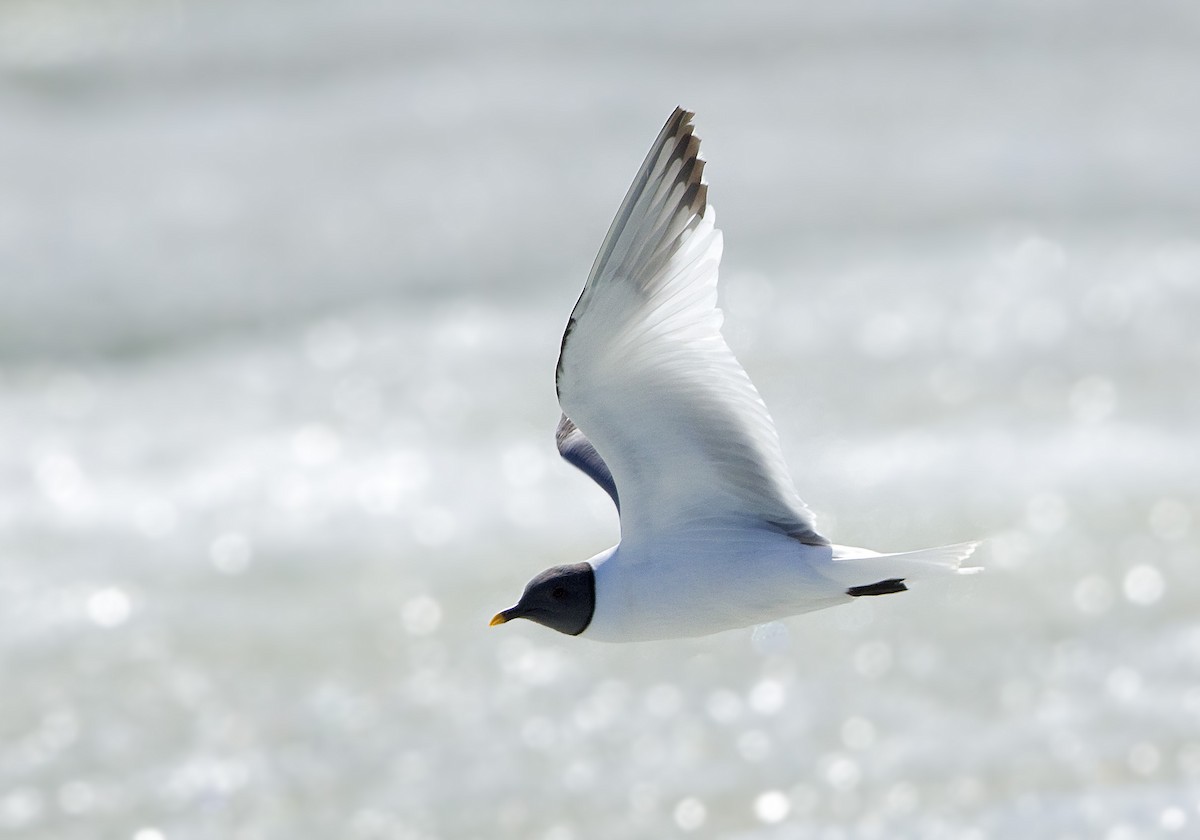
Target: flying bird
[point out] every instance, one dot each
(659, 413)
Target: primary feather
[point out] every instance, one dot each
(646, 375)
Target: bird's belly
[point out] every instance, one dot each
(694, 587)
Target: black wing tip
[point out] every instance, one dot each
(687, 150)
(684, 120)
(681, 128)
(681, 117)
(883, 587)
(676, 142)
(678, 133)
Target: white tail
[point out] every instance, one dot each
(860, 567)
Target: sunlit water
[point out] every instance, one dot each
(277, 421)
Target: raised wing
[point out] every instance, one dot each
(578, 450)
(646, 374)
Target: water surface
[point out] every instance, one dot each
(283, 287)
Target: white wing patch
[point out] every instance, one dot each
(645, 373)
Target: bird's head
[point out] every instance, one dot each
(562, 598)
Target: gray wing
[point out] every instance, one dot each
(645, 370)
(574, 446)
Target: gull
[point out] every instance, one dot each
(659, 413)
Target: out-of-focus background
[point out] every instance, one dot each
(281, 291)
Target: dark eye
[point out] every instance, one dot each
(558, 593)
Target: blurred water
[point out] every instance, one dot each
(282, 288)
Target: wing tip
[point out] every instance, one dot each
(682, 128)
(671, 179)
(681, 116)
